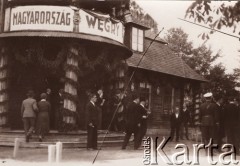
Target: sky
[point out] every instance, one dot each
(166, 14)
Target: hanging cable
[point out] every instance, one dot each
(210, 28)
(124, 92)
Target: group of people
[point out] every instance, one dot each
(135, 115)
(136, 121)
(220, 118)
(179, 122)
(35, 114)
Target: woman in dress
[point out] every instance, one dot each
(44, 109)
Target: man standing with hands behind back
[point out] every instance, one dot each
(92, 121)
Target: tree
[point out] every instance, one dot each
(178, 41)
(199, 59)
(223, 15)
(220, 82)
(140, 16)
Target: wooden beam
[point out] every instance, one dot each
(1, 15)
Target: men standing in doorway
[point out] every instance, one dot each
(92, 122)
(133, 119)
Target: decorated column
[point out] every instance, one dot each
(197, 107)
(3, 88)
(70, 89)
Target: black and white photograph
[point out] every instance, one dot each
(119, 82)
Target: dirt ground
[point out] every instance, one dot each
(113, 156)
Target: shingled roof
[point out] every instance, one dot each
(161, 58)
(149, 34)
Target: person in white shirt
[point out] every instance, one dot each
(175, 121)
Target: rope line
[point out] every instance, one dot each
(210, 28)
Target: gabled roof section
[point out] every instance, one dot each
(161, 58)
(151, 35)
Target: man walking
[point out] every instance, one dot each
(28, 112)
(143, 123)
(133, 117)
(92, 122)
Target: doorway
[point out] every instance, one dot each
(27, 73)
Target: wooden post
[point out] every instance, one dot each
(172, 99)
(51, 153)
(1, 15)
(58, 152)
(70, 88)
(3, 86)
(16, 147)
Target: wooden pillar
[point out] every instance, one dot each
(1, 15)
(70, 88)
(196, 108)
(173, 99)
(196, 102)
(3, 87)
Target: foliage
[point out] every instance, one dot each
(220, 82)
(199, 59)
(140, 16)
(216, 16)
(178, 41)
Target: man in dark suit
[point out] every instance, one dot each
(219, 130)
(175, 121)
(144, 113)
(133, 120)
(185, 114)
(92, 122)
(208, 118)
(231, 114)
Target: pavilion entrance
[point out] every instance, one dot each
(33, 68)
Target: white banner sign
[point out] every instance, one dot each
(54, 18)
(90, 24)
(64, 19)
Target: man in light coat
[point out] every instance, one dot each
(28, 112)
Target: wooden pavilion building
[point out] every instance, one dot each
(77, 45)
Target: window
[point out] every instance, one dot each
(137, 39)
(145, 91)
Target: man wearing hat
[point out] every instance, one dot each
(208, 118)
